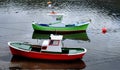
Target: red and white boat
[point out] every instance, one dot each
(51, 49)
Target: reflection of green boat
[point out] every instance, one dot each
(76, 36)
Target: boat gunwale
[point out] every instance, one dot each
(44, 52)
(61, 27)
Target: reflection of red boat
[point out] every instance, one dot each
(51, 49)
(24, 63)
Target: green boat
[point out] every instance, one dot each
(58, 27)
(73, 36)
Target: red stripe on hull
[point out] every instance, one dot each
(38, 55)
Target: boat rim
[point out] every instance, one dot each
(85, 50)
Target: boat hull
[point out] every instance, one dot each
(35, 55)
(46, 55)
(71, 29)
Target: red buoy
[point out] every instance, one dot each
(104, 30)
(53, 12)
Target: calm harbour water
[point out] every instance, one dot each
(16, 17)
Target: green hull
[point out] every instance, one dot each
(74, 36)
(38, 27)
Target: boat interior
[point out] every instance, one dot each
(37, 48)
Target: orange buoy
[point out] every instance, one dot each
(49, 2)
(53, 12)
(104, 30)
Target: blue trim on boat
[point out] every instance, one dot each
(43, 24)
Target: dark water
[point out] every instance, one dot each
(16, 17)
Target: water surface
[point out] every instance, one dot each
(16, 17)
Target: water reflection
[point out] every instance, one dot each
(109, 6)
(100, 11)
(19, 14)
(24, 63)
(40, 3)
(76, 36)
